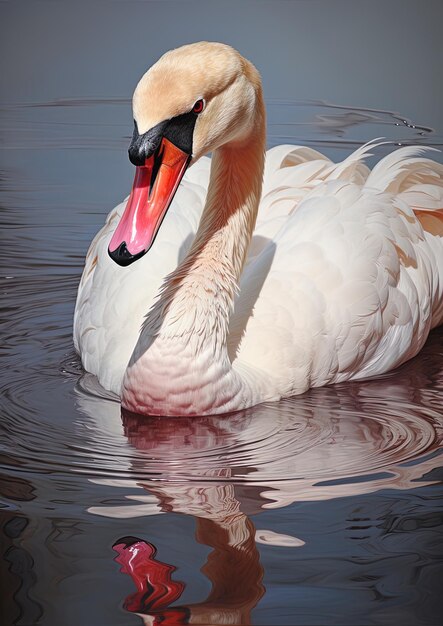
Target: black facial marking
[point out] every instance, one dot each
(143, 146)
(179, 130)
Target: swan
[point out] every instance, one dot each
(252, 276)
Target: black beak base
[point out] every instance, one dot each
(144, 146)
(178, 130)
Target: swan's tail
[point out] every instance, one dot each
(417, 182)
(416, 179)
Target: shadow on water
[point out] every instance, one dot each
(323, 507)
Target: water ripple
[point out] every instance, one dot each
(347, 439)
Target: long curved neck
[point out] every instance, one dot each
(207, 280)
(189, 322)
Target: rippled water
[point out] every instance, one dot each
(323, 509)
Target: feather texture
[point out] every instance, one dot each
(341, 280)
(259, 289)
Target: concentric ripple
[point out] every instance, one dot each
(342, 440)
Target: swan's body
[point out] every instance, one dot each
(342, 279)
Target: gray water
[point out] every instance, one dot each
(323, 509)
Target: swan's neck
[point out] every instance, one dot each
(198, 297)
(180, 364)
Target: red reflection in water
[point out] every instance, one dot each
(233, 567)
(152, 578)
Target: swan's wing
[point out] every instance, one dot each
(417, 182)
(344, 285)
(112, 300)
(291, 172)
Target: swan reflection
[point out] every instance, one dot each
(333, 442)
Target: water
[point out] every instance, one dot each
(320, 509)
(323, 509)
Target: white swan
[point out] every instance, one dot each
(343, 278)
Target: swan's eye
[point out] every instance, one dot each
(198, 106)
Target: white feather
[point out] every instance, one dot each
(341, 279)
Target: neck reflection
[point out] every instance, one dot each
(347, 440)
(233, 566)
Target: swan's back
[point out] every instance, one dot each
(344, 280)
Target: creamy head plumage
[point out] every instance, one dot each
(213, 72)
(194, 100)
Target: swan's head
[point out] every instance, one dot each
(194, 100)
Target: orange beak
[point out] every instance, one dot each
(154, 186)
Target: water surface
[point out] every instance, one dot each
(320, 509)
(323, 509)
